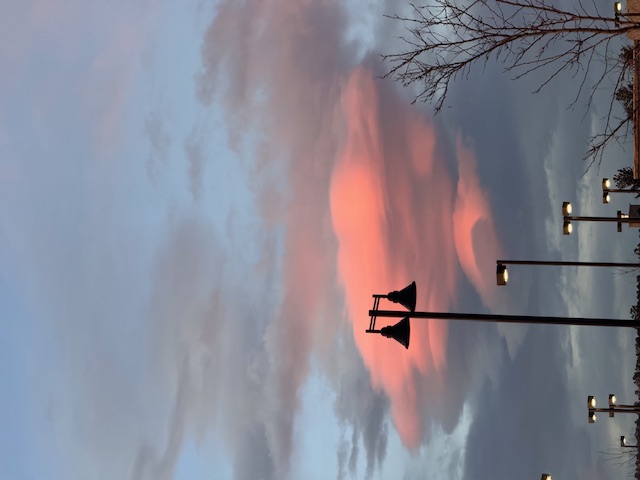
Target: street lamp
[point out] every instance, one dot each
(606, 190)
(502, 274)
(611, 410)
(407, 297)
(617, 12)
(624, 444)
(567, 227)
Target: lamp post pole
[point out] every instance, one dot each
(567, 264)
(520, 319)
(502, 275)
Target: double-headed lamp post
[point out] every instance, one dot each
(606, 190)
(502, 274)
(612, 409)
(567, 226)
(407, 297)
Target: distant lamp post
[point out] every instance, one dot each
(611, 410)
(407, 297)
(502, 274)
(621, 218)
(624, 444)
(606, 190)
(617, 13)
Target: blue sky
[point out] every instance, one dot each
(197, 201)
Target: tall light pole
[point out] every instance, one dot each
(407, 297)
(611, 410)
(567, 227)
(502, 274)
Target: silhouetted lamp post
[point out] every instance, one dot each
(567, 227)
(407, 298)
(502, 274)
(611, 410)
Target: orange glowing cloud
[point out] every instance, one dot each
(397, 217)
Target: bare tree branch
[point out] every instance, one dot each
(446, 38)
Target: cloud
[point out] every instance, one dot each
(396, 220)
(159, 141)
(355, 192)
(359, 180)
(193, 147)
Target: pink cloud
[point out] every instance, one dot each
(397, 217)
(353, 176)
(475, 235)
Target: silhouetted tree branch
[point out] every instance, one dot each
(446, 38)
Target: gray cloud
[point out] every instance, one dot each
(193, 147)
(159, 141)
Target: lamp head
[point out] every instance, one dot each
(405, 297)
(623, 441)
(502, 275)
(617, 7)
(591, 402)
(566, 208)
(592, 416)
(606, 184)
(605, 197)
(399, 332)
(545, 476)
(612, 400)
(567, 228)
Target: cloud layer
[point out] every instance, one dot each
(367, 193)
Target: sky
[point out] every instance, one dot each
(197, 201)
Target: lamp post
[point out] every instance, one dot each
(617, 13)
(611, 410)
(567, 227)
(502, 274)
(606, 190)
(407, 297)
